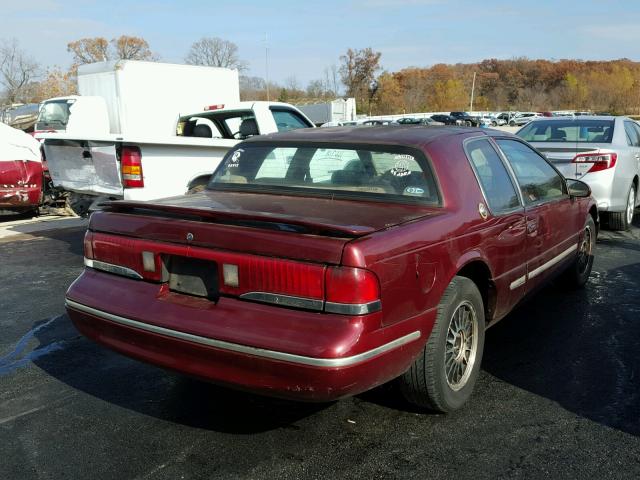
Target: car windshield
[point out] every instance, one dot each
(570, 130)
(393, 173)
(54, 114)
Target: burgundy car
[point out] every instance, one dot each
(320, 263)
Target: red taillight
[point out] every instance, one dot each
(344, 290)
(598, 161)
(351, 285)
(214, 107)
(131, 166)
(269, 275)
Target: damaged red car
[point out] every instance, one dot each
(321, 263)
(21, 172)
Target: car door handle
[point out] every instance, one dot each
(532, 226)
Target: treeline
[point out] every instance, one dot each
(515, 84)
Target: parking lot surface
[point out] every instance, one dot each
(559, 395)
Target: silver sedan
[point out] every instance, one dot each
(603, 151)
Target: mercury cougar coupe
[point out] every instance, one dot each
(321, 263)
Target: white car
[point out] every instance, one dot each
(523, 118)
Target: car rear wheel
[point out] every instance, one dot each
(578, 272)
(622, 220)
(512, 123)
(443, 375)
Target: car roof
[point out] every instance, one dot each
(582, 117)
(411, 135)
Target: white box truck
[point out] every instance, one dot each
(133, 97)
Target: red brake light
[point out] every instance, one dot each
(131, 166)
(214, 107)
(351, 285)
(599, 161)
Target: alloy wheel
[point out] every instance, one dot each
(462, 345)
(585, 250)
(631, 204)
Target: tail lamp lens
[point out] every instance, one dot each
(598, 161)
(351, 285)
(131, 166)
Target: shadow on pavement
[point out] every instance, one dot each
(152, 391)
(576, 348)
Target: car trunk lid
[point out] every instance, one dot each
(561, 154)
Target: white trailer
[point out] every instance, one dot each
(336, 111)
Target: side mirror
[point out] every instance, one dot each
(578, 188)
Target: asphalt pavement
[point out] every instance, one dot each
(559, 395)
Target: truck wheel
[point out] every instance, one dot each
(577, 274)
(443, 375)
(512, 123)
(622, 220)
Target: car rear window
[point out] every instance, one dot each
(392, 173)
(570, 130)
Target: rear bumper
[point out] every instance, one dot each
(265, 349)
(20, 198)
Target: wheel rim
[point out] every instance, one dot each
(584, 253)
(462, 345)
(631, 204)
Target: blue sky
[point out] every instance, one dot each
(306, 37)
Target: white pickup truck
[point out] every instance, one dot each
(143, 167)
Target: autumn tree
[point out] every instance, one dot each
(89, 50)
(215, 52)
(17, 71)
(56, 83)
(358, 73)
(389, 95)
(131, 48)
(99, 49)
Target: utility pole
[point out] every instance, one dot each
(266, 63)
(473, 87)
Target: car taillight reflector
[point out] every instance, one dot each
(599, 161)
(274, 276)
(123, 252)
(214, 107)
(131, 166)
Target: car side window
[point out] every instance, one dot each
(633, 139)
(539, 181)
(496, 183)
(287, 120)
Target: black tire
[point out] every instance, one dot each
(621, 220)
(577, 273)
(426, 384)
(494, 124)
(512, 123)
